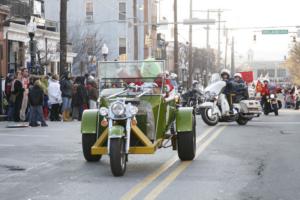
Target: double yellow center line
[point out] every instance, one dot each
(172, 176)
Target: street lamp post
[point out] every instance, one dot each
(31, 27)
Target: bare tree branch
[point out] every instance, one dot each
(86, 44)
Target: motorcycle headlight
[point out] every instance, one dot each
(211, 96)
(133, 110)
(272, 96)
(103, 111)
(118, 108)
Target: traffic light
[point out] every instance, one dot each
(294, 39)
(254, 38)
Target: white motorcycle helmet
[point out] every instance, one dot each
(225, 71)
(238, 75)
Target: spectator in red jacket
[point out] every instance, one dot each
(265, 89)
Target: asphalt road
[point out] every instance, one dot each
(260, 161)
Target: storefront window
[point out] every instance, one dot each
(16, 54)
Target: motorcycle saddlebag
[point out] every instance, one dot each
(250, 106)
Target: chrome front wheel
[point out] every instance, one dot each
(208, 117)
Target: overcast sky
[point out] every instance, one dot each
(241, 13)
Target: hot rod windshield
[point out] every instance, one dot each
(114, 75)
(149, 69)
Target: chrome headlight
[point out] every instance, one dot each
(103, 111)
(133, 110)
(118, 108)
(272, 96)
(211, 96)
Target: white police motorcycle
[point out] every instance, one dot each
(216, 108)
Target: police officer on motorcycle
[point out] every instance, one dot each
(238, 78)
(225, 75)
(241, 90)
(265, 92)
(235, 87)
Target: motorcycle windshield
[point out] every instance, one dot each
(216, 87)
(215, 77)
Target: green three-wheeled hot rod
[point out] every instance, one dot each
(138, 114)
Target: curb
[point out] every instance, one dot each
(3, 118)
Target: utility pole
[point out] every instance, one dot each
(63, 37)
(175, 39)
(208, 52)
(135, 32)
(1, 76)
(219, 39)
(232, 69)
(207, 32)
(190, 47)
(226, 46)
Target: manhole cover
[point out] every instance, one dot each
(13, 167)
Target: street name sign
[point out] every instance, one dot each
(274, 32)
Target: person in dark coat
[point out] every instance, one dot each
(233, 86)
(79, 98)
(66, 91)
(8, 92)
(240, 88)
(16, 96)
(36, 100)
(93, 94)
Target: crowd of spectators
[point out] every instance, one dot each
(36, 99)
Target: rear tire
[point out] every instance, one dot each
(275, 110)
(88, 140)
(242, 121)
(209, 121)
(186, 143)
(117, 156)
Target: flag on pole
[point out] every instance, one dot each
(266, 77)
(260, 77)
